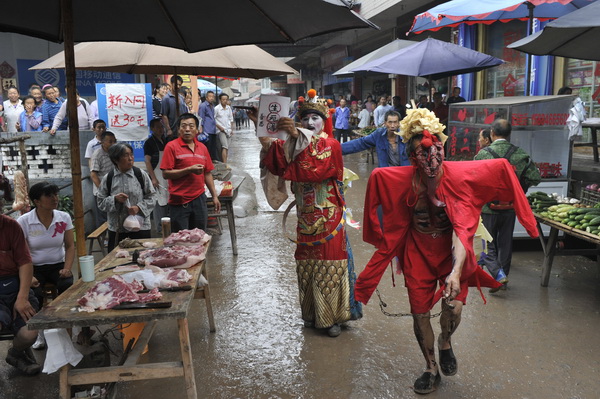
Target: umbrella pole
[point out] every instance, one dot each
(67, 29)
(529, 59)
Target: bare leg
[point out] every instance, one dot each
(224, 155)
(425, 338)
(430, 379)
(449, 321)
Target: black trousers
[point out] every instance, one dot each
(50, 274)
(213, 147)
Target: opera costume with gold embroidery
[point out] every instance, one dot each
(313, 163)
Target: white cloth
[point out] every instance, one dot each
(162, 191)
(84, 115)
(94, 109)
(576, 117)
(60, 350)
(12, 114)
(379, 114)
(224, 118)
(47, 246)
(91, 147)
(364, 117)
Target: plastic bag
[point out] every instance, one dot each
(132, 223)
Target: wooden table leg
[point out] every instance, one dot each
(186, 357)
(63, 382)
(231, 221)
(549, 251)
(594, 134)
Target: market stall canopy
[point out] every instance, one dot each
(247, 61)
(396, 45)
(184, 24)
(456, 12)
(433, 59)
(573, 36)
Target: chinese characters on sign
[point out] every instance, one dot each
(127, 111)
(271, 108)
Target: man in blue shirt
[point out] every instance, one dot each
(206, 112)
(386, 140)
(342, 118)
(169, 110)
(50, 108)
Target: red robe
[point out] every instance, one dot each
(465, 187)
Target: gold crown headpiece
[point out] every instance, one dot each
(417, 121)
(313, 104)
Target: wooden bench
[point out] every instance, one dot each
(98, 235)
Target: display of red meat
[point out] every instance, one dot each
(187, 237)
(112, 291)
(176, 256)
(153, 295)
(178, 275)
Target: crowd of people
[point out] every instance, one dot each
(423, 215)
(362, 114)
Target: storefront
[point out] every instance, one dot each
(584, 78)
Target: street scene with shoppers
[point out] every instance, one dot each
(300, 213)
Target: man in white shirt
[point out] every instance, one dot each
(379, 113)
(224, 121)
(99, 127)
(84, 115)
(100, 165)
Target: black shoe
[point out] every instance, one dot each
(334, 330)
(24, 361)
(448, 363)
(427, 383)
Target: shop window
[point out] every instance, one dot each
(507, 79)
(584, 78)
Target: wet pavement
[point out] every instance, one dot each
(527, 342)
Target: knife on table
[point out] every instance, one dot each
(169, 289)
(122, 264)
(146, 305)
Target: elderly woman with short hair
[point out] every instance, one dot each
(125, 191)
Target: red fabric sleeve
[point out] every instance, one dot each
(209, 164)
(275, 160)
(168, 159)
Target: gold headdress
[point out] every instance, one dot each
(313, 104)
(417, 121)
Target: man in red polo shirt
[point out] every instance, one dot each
(187, 165)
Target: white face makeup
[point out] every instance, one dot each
(312, 122)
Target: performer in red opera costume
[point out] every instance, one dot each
(431, 211)
(313, 163)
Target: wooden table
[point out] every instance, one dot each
(552, 247)
(63, 313)
(593, 124)
(227, 209)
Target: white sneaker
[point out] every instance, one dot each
(40, 342)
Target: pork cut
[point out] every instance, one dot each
(112, 291)
(187, 237)
(176, 256)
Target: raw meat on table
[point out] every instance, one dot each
(187, 237)
(176, 256)
(112, 291)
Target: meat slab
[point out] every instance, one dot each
(112, 291)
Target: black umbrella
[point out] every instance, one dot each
(191, 25)
(573, 36)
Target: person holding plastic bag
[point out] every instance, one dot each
(127, 195)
